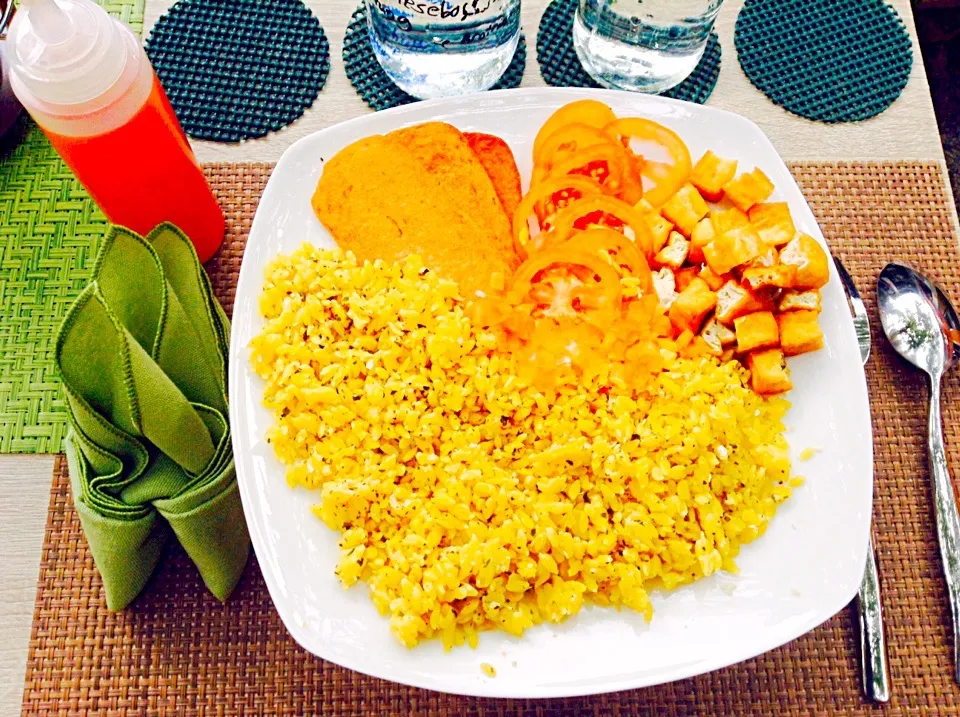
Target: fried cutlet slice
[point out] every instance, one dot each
(499, 164)
(386, 198)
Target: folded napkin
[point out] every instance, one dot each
(143, 358)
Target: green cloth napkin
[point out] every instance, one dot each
(143, 358)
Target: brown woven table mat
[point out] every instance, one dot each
(178, 651)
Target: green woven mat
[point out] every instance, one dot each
(561, 67)
(49, 234)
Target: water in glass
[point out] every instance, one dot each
(642, 45)
(439, 48)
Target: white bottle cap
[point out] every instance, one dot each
(65, 53)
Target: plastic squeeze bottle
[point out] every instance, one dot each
(86, 81)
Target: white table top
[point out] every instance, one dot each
(906, 131)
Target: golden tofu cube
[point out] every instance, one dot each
(768, 372)
(711, 173)
(702, 235)
(665, 286)
(767, 256)
(779, 276)
(674, 253)
(713, 279)
(735, 247)
(748, 189)
(773, 222)
(799, 301)
(735, 300)
(799, 332)
(726, 219)
(644, 206)
(756, 331)
(660, 229)
(685, 209)
(691, 306)
(685, 276)
(813, 267)
(717, 337)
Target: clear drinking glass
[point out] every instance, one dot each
(439, 48)
(642, 45)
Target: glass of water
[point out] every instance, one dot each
(439, 48)
(642, 45)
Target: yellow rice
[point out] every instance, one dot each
(468, 500)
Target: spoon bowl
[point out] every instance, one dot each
(922, 326)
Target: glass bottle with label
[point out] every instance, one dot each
(440, 48)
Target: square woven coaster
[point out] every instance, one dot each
(178, 651)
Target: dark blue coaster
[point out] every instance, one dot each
(238, 69)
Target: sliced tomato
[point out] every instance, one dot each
(543, 202)
(619, 249)
(606, 164)
(567, 140)
(567, 282)
(667, 181)
(605, 211)
(588, 112)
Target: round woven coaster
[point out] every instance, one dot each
(238, 69)
(378, 90)
(561, 67)
(827, 60)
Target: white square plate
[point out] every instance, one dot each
(802, 571)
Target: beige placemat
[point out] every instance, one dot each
(178, 651)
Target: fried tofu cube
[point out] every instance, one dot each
(644, 206)
(735, 247)
(660, 229)
(778, 276)
(806, 254)
(748, 189)
(702, 235)
(756, 331)
(799, 332)
(674, 253)
(665, 286)
(685, 209)
(799, 301)
(692, 305)
(726, 219)
(773, 222)
(717, 337)
(766, 258)
(713, 279)
(685, 276)
(768, 372)
(735, 300)
(711, 173)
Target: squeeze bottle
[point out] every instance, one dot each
(88, 84)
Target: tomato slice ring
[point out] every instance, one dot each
(606, 164)
(588, 112)
(544, 200)
(563, 281)
(567, 140)
(623, 253)
(578, 215)
(667, 182)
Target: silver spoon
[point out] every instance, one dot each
(918, 318)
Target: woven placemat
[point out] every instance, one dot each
(178, 651)
(379, 91)
(239, 69)
(49, 234)
(826, 60)
(560, 66)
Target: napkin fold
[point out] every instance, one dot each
(143, 358)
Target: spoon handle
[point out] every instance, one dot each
(948, 520)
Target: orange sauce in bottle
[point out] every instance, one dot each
(144, 173)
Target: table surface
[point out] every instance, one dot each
(906, 131)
